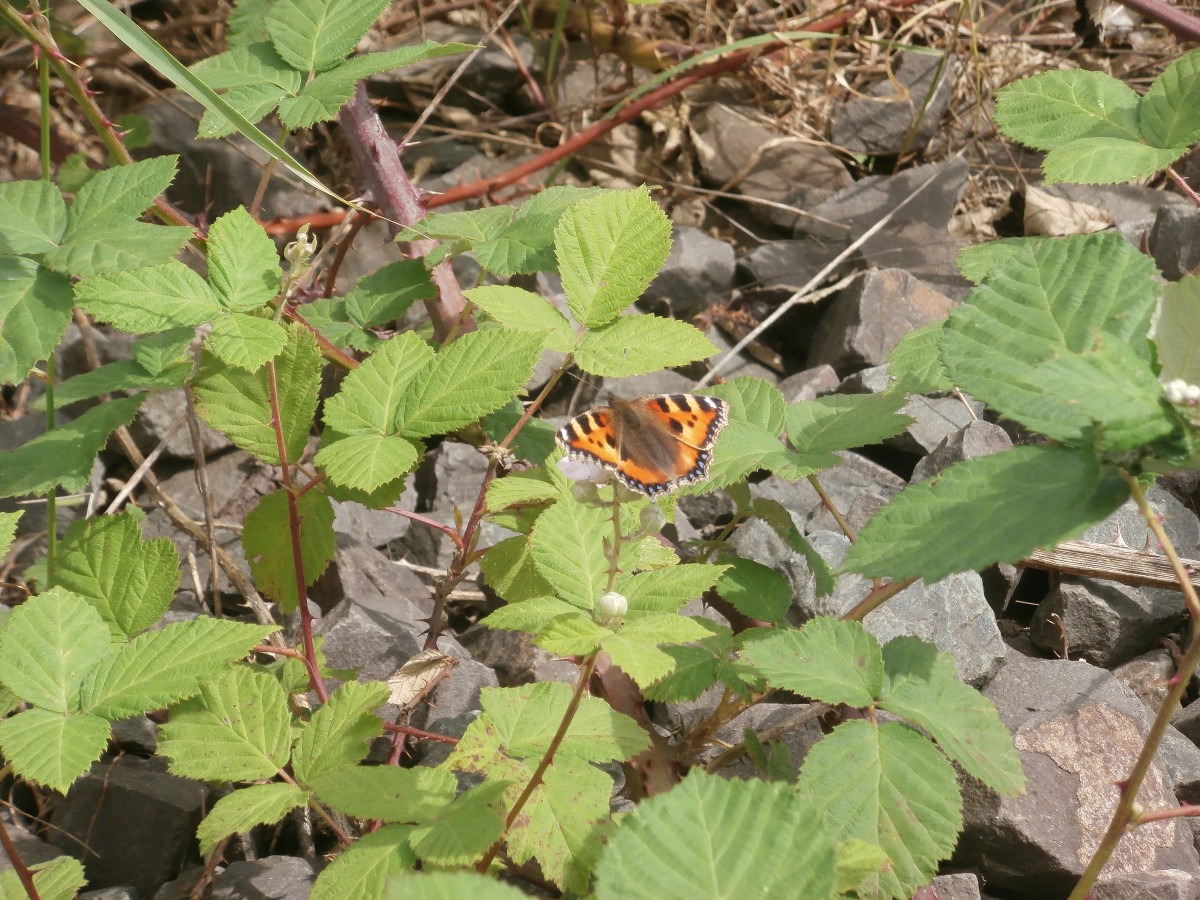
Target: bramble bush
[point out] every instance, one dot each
(1056, 335)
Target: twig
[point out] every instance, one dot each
(140, 472)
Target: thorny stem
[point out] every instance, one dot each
(18, 864)
(585, 676)
(1124, 815)
(306, 619)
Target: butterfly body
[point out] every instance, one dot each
(653, 444)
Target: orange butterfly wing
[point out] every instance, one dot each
(593, 436)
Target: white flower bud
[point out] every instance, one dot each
(1182, 393)
(611, 608)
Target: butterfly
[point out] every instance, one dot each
(653, 444)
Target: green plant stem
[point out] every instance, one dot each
(1124, 815)
(306, 619)
(585, 676)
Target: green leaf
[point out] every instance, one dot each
(828, 660)
(921, 685)
(367, 461)
(890, 787)
(238, 730)
(755, 590)
(163, 667)
(1054, 108)
(248, 65)
(1169, 114)
(371, 394)
(158, 352)
(447, 886)
(915, 363)
(103, 234)
(666, 590)
(247, 342)
(267, 538)
(567, 546)
(531, 615)
(774, 514)
(35, 310)
(340, 732)
(609, 248)
(239, 404)
(33, 217)
(243, 264)
(845, 421)
(313, 35)
(509, 570)
(52, 748)
(255, 804)
(464, 831)
(697, 668)
(122, 375)
(639, 658)
(47, 647)
(856, 861)
(522, 310)
(561, 823)
(1177, 330)
(151, 299)
(474, 376)
(1106, 160)
(977, 261)
(62, 878)
(129, 581)
(251, 102)
(754, 401)
(1114, 387)
(8, 529)
(363, 871)
(635, 345)
(320, 99)
(1035, 496)
(388, 292)
(64, 456)
(669, 847)
(1048, 298)
(387, 792)
(464, 228)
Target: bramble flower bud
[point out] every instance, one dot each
(611, 608)
(1181, 393)
(300, 251)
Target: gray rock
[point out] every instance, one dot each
(130, 823)
(1105, 622)
(155, 418)
(788, 265)
(374, 527)
(269, 878)
(1133, 207)
(236, 162)
(953, 614)
(868, 319)
(448, 480)
(1147, 677)
(959, 886)
(898, 114)
(744, 366)
(1163, 885)
(31, 848)
(935, 419)
(1173, 241)
(856, 477)
(874, 380)
(809, 384)
(1075, 742)
(738, 153)
(917, 237)
(978, 438)
(1187, 720)
(136, 735)
(454, 703)
(360, 639)
(759, 718)
(698, 273)
(515, 658)
(113, 893)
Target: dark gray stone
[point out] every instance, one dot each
(31, 848)
(1075, 743)
(130, 823)
(1105, 622)
(744, 366)
(759, 718)
(216, 176)
(112, 893)
(959, 886)
(976, 439)
(738, 153)
(448, 480)
(269, 878)
(1133, 207)
(137, 735)
(809, 384)
(1173, 241)
(515, 658)
(158, 414)
(788, 265)
(953, 614)
(1187, 720)
(698, 273)
(897, 114)
(868, 319)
